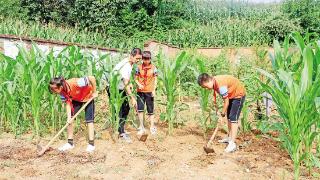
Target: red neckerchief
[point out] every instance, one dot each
(66, 93)
(215, 88)
(146, 68)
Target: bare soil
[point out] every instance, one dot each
(179, 156)
(176, 156)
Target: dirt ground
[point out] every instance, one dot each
(179, 156)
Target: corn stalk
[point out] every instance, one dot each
(169, 75)
(294, 87)
(27, 103)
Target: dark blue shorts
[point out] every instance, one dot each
(89, 110)
(145, 99)
(234, 109)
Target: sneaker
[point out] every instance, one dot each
(90, 148)
(66, 147)
(125, 137)
(153, 130)
(231, 147)
(224, 140)
(141, 132)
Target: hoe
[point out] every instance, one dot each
(42, 150)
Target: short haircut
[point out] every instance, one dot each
(203, 78)
(146, 55)
(135, 51)
(56, 81)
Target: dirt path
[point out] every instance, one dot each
(179, 156)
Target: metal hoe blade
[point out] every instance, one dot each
(208, 150)
(143, 137)
(41, 150)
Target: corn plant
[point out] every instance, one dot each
(295, 86)
(115, 101)
(248, 76)
(206, 112)
(168, 77)
(24, 81)
(34, 29)
(261, 61)
(245, 124)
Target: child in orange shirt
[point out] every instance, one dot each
(233, 93)
(146, 79)
(75, 92)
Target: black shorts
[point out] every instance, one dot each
(145, 98)
(234, 109)
(89, 110)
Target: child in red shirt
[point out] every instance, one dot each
(75, 92)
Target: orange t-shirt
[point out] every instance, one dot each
(146, 76)
(80, 89)
(229, 87)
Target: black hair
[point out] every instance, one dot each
(135, 51)
(146, 55)
(203, 78)
(57, 81)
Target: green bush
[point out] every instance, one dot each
(307, 11)
(279, 26)
(116, 17)
(47, 10)
(11, 8)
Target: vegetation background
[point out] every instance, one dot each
(184, 23)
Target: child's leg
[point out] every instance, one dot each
(234, 114)
(140, 104)
(90, 120)
(150, 110)
(229, 128)
(234, 131)
(151, 118)
(228, 118)
(91, 133)
(70, 133)
(76, 105)
(69, 145)
(140, 117)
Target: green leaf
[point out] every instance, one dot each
(306, 76)
(299, 41)
(317, 102)
(270, 76)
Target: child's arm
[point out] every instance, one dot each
(140, 86)
(225, 106)
(155, 86)
(93, 83)
(68, 108)
(136, 79)
(155, 74)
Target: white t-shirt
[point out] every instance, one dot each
(124, 69)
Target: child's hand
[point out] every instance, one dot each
(69, 121)
(153, 94)
(221, 117)
(134, 102)
(95, 94)
(140, 86)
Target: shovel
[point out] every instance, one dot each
(207, 148)
(143, 137)
(42, 150)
